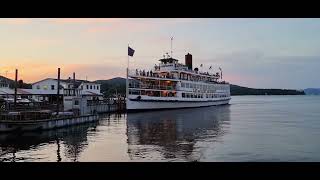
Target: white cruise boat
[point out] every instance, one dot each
(174, 85)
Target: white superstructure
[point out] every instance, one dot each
(174, 85)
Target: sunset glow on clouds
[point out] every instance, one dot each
(276, 53)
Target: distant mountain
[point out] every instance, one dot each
(239, 90)
(116, 80)
(109, 87)
(112, 86)
(312, 91)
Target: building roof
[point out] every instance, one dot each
(78, 81)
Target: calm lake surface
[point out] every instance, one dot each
(251, 128)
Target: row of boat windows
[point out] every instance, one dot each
(202, 86)
(153, 93)
(172, 94)
(195, 95)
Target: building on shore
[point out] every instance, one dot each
(71, 93)
(49, 86)
(3, 83)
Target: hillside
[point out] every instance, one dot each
(312, 91)
(109, 86)
(239, 90)
(113, 86)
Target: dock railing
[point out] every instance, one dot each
(32, 115)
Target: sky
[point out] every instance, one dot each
(257, 53)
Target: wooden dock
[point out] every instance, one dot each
(44, 124)
(44, 120)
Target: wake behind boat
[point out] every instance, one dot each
(174, 85)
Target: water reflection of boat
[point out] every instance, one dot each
(74, 139)
(173, 134)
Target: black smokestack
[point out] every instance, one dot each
(188, 61)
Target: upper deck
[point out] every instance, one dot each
(170, 69)
(175, 75)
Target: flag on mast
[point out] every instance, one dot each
(130, 51)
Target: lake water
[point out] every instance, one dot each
(251, 128)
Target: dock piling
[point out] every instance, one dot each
(74, 83)
(58, 91)
(15, 89)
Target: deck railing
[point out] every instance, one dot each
(156, 75)
(27, 106)
(149, 74)
(31, 115)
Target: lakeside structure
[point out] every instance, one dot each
(48, 86)
(46, 90)
(46, 106)
(3, 84)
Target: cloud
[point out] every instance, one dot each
(45, 42)
(131, 25)
(92, 21)
(115, 20)
(32, 72)
(15, 21)
(244, 56)
(70, 21)
(272, 72)
(257, 69)
(124, 26)
(293, 59)
(95, 71)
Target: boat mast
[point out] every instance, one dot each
(15, 90)
(127, 81)
(171, 46)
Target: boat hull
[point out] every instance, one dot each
(154, 105)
